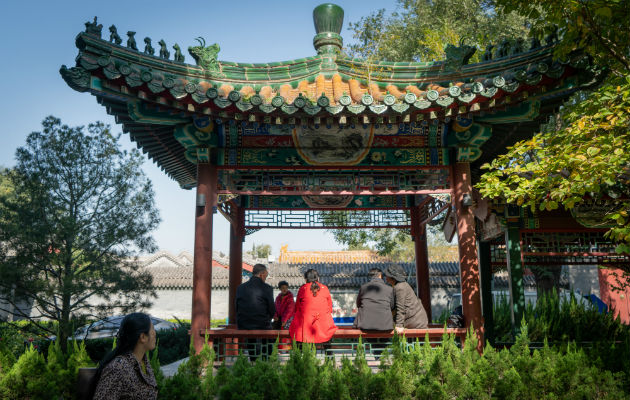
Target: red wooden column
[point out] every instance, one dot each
(468, 259)
(202, 268)
(237, 233)
(419, 236)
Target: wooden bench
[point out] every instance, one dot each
(230, 341)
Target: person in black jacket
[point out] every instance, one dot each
(375, 303)
(255, 308)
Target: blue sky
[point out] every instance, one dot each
(38, 37)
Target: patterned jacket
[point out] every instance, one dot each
(123, 379)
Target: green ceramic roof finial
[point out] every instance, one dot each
(328, 20)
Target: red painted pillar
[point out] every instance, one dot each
(468, 259)
(202, 267)
(419, 235)
(237, 233)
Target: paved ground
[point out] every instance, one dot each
(170, 369)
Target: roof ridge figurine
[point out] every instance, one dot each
(131, 40)
(178, 56)
(205, 56)
(458, 56)
(93, 28)
(148, 49)
(113, 35)
(164, 53)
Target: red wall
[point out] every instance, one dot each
(616, 300)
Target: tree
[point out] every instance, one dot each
(422, 29)
(581, 157)
(420, 32)
(390, 242)
(260, 251)
(597, 27)
(81, 208)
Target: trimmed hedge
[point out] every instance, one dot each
(407, 372)
(34, 377)
(602, 337)
(414, 371)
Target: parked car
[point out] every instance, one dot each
(108, 327)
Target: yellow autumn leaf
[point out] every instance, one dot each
(581, 124)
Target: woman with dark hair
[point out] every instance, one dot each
(285, 306)
(125, 372)
(312, 321)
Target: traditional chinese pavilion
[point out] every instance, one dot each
(273, 145)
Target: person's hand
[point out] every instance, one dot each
(400, 330)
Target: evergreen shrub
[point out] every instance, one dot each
(558, 321)
(408, 370)
(34, 377)
(411, 371)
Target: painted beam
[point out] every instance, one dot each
(332, 192)
(327, 202)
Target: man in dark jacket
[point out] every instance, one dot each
(375, 303)
(255, 308)
(254, 301)
(410, 313)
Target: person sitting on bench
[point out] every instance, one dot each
(410, 313)
(375, 303)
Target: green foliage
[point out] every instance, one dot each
(35, 377)
(81, 207)
(300, 372)
(598, 27)
(357, 376)
(260, 381)
(25, 378)
(155, 363)
(580, 158)
(174, 345)
(11, 340)
(576, 161)
(57, 366)
(78, 357)
(7, 359)
(193, 379)
(393, 243)
(260, 251)
(408, 371)
(560, 321)
(421, 29)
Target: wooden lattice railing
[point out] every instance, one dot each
(230, 342)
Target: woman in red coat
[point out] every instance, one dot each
(312, 321)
